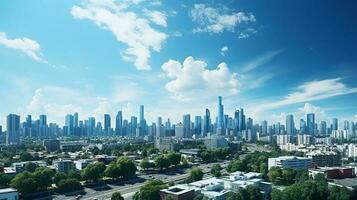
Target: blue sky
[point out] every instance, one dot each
(94, 57)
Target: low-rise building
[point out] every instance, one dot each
(51, 145)
(290, 162)
(83, 163)
(180, 192)
(214, 142)
(9, 194)
(325, 158)
(333, 172)
(63, 165)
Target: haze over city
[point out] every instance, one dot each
(176, 58)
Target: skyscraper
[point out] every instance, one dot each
(75, 120)
(133, 126)
(187, 125)
(158, 128)
(142, 122)
(241, 120)
(220, 113)
(69, 123)
(323, 128)
(311, 124)
(12, 129)
(334, 124)
(206, 123)
(290, 125)
(302, 126)
(198, 125)
(107, 124)
(264, 127)
(119, 123)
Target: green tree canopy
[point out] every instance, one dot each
(196, 174)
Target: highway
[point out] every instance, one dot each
(128, 190)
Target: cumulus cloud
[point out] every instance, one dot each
(224, 50)
(157, 17)
(311, 91)
(128, 27)
(218, 19)
(27, 46)
(193, 79)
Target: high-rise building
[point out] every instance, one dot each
(198, 125)
(142, 122)
(75, 120)
(12, 129)
(334, 124)
(264, 127)
(119, 123)
(158, 127)
(206, 123)
(28, 126)
(107, 124)
(323, 128)
(241, 120)
(303, 126)
(310, 118)
(187, 125)
(69, 123)
(91, 126)
(133, 126)
(220, 114)
(290, 125)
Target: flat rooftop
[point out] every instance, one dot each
(347, 182)
(7, 190)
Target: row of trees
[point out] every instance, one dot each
(40, 179)
(162, 161)
(311, 190)
(213, 155)
(287, 176)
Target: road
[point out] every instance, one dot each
(128, 190)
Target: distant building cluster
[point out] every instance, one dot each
(238, 126)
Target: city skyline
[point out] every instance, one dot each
(185, 55)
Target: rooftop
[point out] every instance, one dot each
(7, 190)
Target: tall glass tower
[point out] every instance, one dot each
(220, 113)
(311, 124)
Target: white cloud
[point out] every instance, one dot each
(218, 19)
(224, 50)
(27, 46)
(129, 28)
(157, 17)
(193, 79)
(311, 91)
(261, 60)
(247, 33)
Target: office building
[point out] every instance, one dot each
(290, 125)
(220, 114)
(119, 123)
(13, 129)
(311, 124)
(292, 162)
(107, 124)
(187, 126)
(334, 124)
(9, 194)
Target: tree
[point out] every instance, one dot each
(174, 158)
(127, 167)
(25, 156)
(4, 180)
(43, 177)
(254, 193)
(161, 162)
(30, 167)
(145, 164)
(24, 183)
(59, 176)
(235, 165)
(196, 174)
(117, 196)
(339, 193)
(150, 191)
(274, 174)
(93, 172)
(68, 185)
(288, 175)
(113, 171)
(216, 170)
